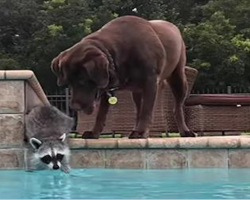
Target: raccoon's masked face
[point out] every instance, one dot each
(53, 154)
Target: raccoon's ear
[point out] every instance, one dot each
(63, 137)
(35, 143)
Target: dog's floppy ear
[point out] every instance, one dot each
(56, 67)
(97, 69)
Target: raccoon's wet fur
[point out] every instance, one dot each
(46, 132)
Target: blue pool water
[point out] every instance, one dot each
(120, 184)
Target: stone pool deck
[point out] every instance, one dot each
(162, 153)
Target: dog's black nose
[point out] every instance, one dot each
(55, 167)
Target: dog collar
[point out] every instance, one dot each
(112, 99)
(111, 96)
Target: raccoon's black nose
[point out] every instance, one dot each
(55, 167)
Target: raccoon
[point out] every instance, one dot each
(46, 132)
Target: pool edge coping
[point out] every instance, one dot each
(215, 142)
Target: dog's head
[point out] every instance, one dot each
(85, 71)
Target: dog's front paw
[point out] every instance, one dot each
(188, 134)
(90, 135)
(138, 135)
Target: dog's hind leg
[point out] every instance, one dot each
(179, 86)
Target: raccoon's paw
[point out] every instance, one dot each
(65, 169)
(29, 170)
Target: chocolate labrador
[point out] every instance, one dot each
(128, 53)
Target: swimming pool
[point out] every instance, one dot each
(120, 184)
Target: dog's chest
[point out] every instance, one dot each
(132, 80)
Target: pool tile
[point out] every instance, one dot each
(193, 143)
(125, 158)
(12, 129)
(239, 158)
(102, 143)
(161, 159)
(245, 142)
(2, 74)
(77, 143)
(12, 97)
(126, 143)
(12, 159)
(87, 158)
(224, 142)
(208, 158)
(163, 143)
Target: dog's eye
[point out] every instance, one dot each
(59, 157)
(46, 159)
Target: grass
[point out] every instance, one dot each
(117, 135)
(245, 133)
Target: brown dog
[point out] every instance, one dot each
(127, 53)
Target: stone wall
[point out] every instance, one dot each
(162, 153)
(11, 124)
(19, 91)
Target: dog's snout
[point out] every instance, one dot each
(55, 167)
(87, 108)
